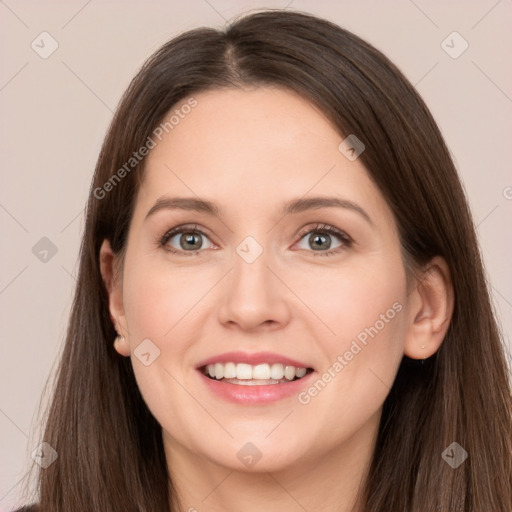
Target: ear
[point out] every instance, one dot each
(109, 266)
(430, 308)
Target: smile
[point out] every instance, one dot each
(254, 375)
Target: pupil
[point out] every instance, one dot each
(321, 238)
(189, 239)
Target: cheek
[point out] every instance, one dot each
(158, 302)
(355, 297)
(362, 313)
(157, 297)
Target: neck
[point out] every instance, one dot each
(324, 482)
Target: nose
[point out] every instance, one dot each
(254, 296)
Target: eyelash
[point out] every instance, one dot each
(320, 228)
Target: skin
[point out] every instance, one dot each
(249, 151)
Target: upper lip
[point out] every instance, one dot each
(252, 359)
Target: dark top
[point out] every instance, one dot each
(30, 508)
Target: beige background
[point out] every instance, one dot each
(55, 112)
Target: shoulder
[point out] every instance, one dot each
(29, 508)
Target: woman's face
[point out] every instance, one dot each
(257, 280)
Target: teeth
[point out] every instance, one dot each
(289, 372)
(300, 372)
(229, 371)
(277, 371)
(243, 371)
(261, 371)
(219, 370)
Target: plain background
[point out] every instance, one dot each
(55, 113)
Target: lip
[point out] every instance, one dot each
(253, 395)
(253, 359)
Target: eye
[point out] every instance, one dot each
(320, 239)
(183, 240)
(188, 240)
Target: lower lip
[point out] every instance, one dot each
(241, 394)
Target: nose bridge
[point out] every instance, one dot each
(251, 270)
(253, 294)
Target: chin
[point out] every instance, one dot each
(254, 456)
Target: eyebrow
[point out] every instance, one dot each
(290, 207)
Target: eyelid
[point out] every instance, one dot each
(320, 226)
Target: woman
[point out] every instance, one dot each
(326, 342)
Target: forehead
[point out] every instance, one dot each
(251, 148)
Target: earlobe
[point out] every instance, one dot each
(430, 311)
(121, 346)
(113, 285)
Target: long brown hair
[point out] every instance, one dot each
(111, 455)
